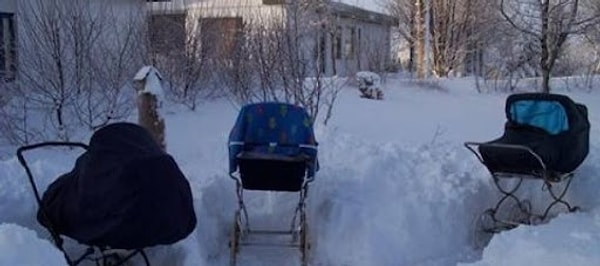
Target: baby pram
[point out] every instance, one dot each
(546, 138)
(123, 195)
(272, 148)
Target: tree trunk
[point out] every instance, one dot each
(545, 81)
(544, 41)
(420, 38)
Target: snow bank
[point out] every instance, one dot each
(15, 240)
(396, 187)
(393, 204)
(17, 201)
(568, 240)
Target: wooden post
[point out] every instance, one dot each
(147, 83)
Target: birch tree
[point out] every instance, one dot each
(550, 23)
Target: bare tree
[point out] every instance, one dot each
(452, 31)
(183, 46)
(550, 23)
(114, 57)
(404, 10)
(279, 58)
(419, 30)
(76, 59)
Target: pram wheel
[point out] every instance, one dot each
(112, 260)
(234, 239)
(304, 243)
(484, 229)
(521, 212)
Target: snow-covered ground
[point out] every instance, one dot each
(396, 187)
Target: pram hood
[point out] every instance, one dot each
(552, 126)
(124, 192)
(273, 128)
(554, 113)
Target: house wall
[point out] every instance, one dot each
(370, 43)
(8, 6)
(120, 23)
(249, 10)
(263, 15)
(7, 55)
(218, 20)
(370, 49)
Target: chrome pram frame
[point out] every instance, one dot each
(490, 223)
(241, 229)
(101, 256)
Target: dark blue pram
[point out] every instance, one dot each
(272, 147)
(124, 194)
(546, 138)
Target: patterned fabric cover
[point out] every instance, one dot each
(273, 128)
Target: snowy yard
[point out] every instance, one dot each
(396, 187)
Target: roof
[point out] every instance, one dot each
(349, 11)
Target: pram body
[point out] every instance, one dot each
(546, 138)
(272, 147)
(124, 193)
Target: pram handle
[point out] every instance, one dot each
(57, 239)
(273, 144)
(472, 145)
(23, 162)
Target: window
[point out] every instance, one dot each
(337, 43)
(350, 44)
(319, 52)
(8, 52)
(167, 34)
(221, 37)
(358, 51)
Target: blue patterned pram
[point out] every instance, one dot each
(272, 132)
(272, 147)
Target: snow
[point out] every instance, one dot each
(153, 81)
(21, 246)
(366, 77)
(396, 187)
(567, 240)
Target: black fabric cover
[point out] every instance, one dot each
(124, 192)
(562, 153)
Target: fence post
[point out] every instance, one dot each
(148, 85)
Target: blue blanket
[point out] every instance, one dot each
(548, 115)
(273, 128)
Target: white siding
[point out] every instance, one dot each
(248, 10)
(183, 4)
(8, 6)
(371, 48)
(116, 19)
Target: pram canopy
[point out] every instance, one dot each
(124, 192)
(273, 130)
(551, 125)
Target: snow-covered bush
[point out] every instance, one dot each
(369, 85)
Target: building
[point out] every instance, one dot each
(8, 51)
(335, 38)
(23, 32)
